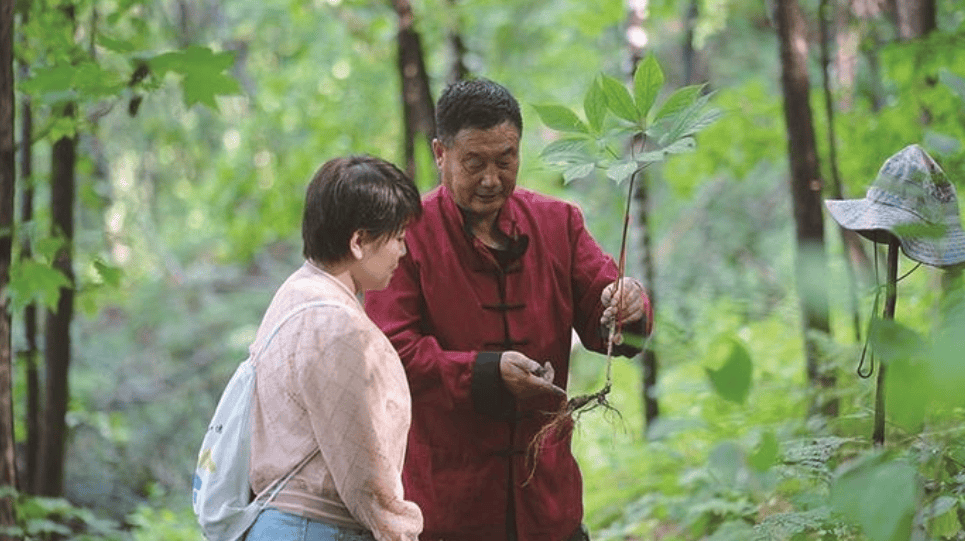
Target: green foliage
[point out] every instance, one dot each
(153, 524)
(879, 495)
(202, 73)
(596, 144)
(40, 518)
(34, 281)
(732, 381)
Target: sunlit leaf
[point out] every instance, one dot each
(647, 81)
(202, 72)
(618, 99)
(732, 381)
(110, 274)
(32, 281)
(560, 118)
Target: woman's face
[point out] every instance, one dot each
(380, 257)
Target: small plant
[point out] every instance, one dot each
(623, 133)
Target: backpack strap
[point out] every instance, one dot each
(289, 315)
(275, 487)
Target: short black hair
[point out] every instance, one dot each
(355, 193)
(476, 103)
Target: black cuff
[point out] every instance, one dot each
(489, 395)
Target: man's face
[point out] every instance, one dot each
(480, 167)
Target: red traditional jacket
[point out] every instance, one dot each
(450, 310)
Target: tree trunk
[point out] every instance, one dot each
(417, 105)
(915, 18)
(457, 70)
(692, 69)
(50, 475)
(849, 239)
(8, 171)
(651, 408)
(32, 352)
(811, 265)
(648, 360)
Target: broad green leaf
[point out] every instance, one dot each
(908, 386)
(110, 274)
(946, 362)
(688, 121)
(651, 157)
(46, 80)
(681, 99)
(560, 118)
(621, 170)
(733, 380)
(203, 89)
(681, 146)
(202, 73)
(726, 460)
(766, 453)
(568, 151)
(594, 106)
(647, 81)
(115, 45)
(48, 246)
(618, 99)
(879, 496)
(32, 281)
(891, 340)
(577, 172)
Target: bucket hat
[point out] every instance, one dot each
(912, 199)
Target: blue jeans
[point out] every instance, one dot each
(275, 525)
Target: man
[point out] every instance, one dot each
(481, 311)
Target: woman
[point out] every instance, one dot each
(330, 381)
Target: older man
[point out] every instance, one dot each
(481, 311)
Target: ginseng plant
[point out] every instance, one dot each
(623, 133)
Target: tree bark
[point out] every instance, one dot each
(57, 341)
(648, 359)
(849, 239)
(8, 171)
(458, 69)
(417, 106)
(811, 265)
(32, 352)
(915, 18)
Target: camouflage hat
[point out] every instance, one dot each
(913, 200)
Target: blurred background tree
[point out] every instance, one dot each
(164, 148)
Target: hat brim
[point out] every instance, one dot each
(866, 217)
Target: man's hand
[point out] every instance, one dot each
(625, 301)
(525, 378)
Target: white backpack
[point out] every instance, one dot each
(222, 491)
